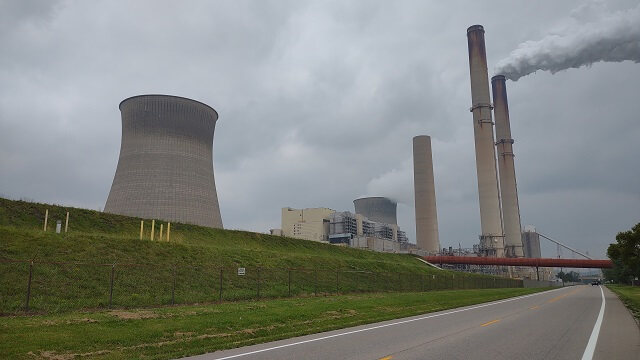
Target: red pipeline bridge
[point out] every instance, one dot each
(475, 260)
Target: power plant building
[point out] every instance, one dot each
(308, 224)
(341, 228)
(165, 167)
(531, 243)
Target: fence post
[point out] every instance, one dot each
(289, 270)
(173, 286)
(26, 308)
(221, 268)
(113, 270)
(258, 281)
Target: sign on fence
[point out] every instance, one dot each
(241, 271)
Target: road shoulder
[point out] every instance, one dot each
(620, 335)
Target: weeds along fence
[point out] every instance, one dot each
(39, 286)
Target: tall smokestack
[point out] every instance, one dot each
(492, 239)
(507, 172)
(425, 195)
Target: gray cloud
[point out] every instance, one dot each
(318, 103)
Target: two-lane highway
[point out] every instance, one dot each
(581, 322)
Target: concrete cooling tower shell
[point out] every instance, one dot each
(379, 209)
(165, 168)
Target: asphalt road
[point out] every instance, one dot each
(566, 323)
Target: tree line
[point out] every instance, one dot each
(625, 255)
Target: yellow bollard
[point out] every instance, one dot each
(168, 230)
(153, 228)
(46, 217)
(141, 228)
(66, 223)
(160, 237)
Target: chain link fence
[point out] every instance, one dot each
(40, 286)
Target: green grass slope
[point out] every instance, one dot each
(101, 262)
(106, 238)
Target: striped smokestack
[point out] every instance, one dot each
(425, 195)
(508, 187)
(492, 240)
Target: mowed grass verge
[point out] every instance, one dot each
(630, 296)
(171, 332)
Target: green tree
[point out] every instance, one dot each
(625, 255)
(571, 276)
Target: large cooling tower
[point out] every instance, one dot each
(378, 209)
(490, 218)
(507, 172)
(425, 195)
(165, 169)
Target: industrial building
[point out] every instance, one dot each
(165, 167)
(308, 224)
(531, 242)
(345, 225)
(346, 228)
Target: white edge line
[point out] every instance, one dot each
(392, 324)
(593, 339)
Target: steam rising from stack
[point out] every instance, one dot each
(611, 37)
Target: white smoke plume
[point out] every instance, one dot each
(594, 37)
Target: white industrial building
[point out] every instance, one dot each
(341, 228)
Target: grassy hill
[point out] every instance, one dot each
(102, 262)
(106, 238)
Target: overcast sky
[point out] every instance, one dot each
(319, 102)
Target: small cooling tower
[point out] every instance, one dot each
(378, 209)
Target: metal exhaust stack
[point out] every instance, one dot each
(507, 172)
(492, 239)
(425, 195)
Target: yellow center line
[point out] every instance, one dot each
(387, 358)
(561, 296)
(491, 322)
(534, 307)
